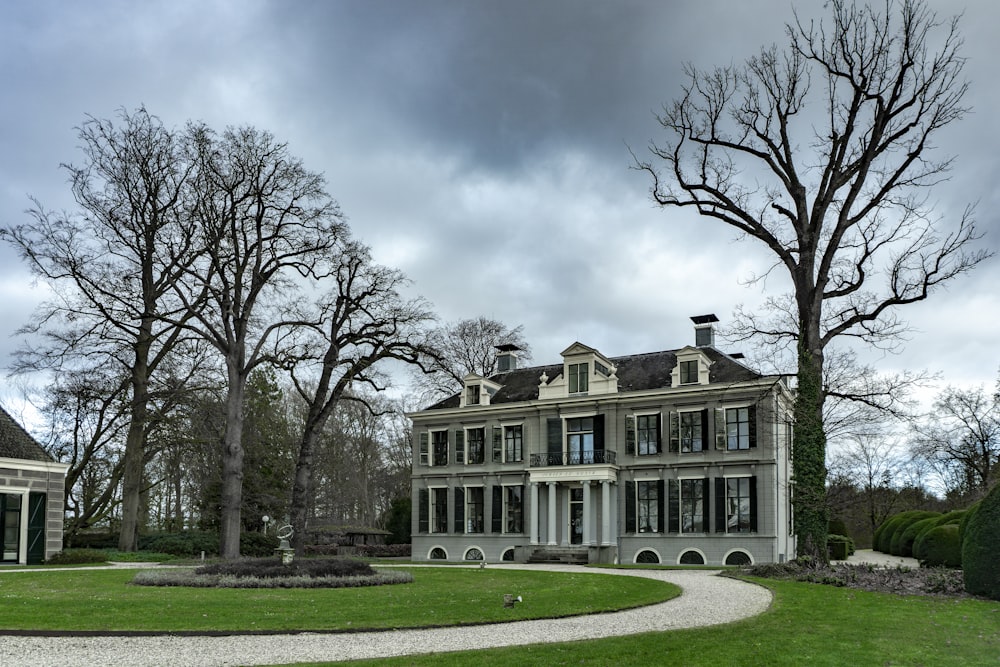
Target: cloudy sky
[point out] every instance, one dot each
(481, 147)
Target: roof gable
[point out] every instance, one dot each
(15, 443)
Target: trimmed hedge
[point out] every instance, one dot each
(270, 568)
(953, 517)
(78, 557)
(840, 546)
(964, 523)
(895, 544)
(981, 546)
(942, 547)
(907, 537)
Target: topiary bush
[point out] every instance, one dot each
(907, 537)
(963, 524)
(981, 547)
(840, 546)
(919, 550)
(78, 557)
(895, 543)
(942, 547)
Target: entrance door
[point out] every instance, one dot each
(576, 516)
(10, 520)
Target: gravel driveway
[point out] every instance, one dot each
(706, 600)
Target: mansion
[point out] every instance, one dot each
(673, 457)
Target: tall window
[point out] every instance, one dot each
(474, 510)
(477, 445)
(691, 430)
(512, 443)
(439, 510)
(738, 505)
(647, 506)
(439, 448)
(580, 440)
(738, 428)
(472, 394)
(689, 372)
(579, 378)
(693, 506)
(513, 509)
(647, 434)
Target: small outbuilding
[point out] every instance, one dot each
(32, 487)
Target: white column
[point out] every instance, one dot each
(535, 509)
(551, 528)
(605, 512)
(614, 513)
(588, 515)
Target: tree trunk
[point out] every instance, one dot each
(135, 442)
(232, 467)
(302, 489)
(809, 454)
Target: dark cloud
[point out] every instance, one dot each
(479, 146)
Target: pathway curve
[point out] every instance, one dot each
(706, 599)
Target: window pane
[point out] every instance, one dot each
(647, 507)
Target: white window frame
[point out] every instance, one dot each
(466, 429)
(432, 507)
(431, 458)
(725, 499)
(680, 505)
(467, 498)
(725, 413)
(503, 443)
(659, 415)
(504, 510)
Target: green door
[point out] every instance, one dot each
(36, 528)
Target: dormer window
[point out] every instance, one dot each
(579, 376)
(689, 371)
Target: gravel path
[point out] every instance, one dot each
(706, 600)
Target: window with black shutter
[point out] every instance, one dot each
(496, 510)
(459, 509)
(630, 507)
(423, 511)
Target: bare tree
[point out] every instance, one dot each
(961, 437)
(839, 198)
(111, 267)
(871, 459)
(266, 226)
(362, 323)
(463, 347)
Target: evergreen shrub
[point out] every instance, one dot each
(78, 557)
(903, 520)
(840, 546)
(919, 550)
(981, 547)
(188, 543)
(942, 547)
(906, 537)
(269, 568)
(964, 523)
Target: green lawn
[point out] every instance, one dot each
(808, 624)
(102, 600)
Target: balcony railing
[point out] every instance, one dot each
(604, 456)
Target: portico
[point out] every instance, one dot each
(574, 507)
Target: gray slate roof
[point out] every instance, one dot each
(15, 443)
(636, 372)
